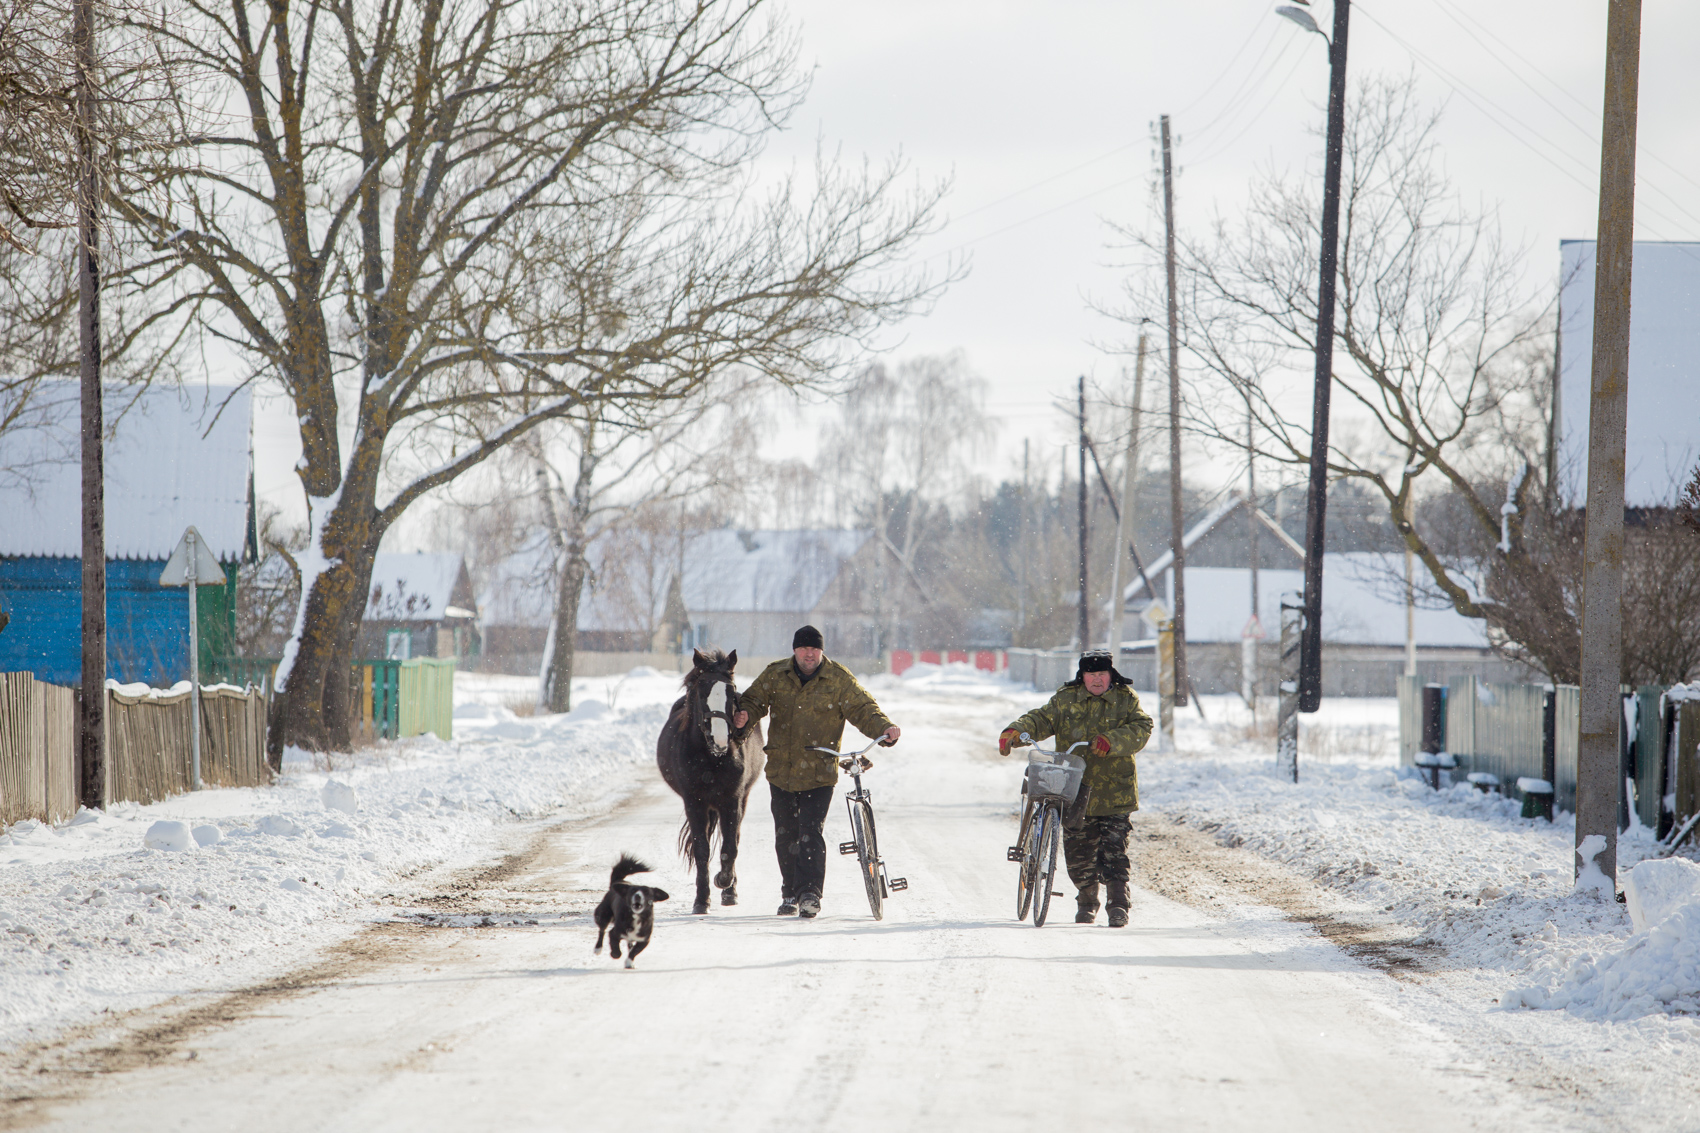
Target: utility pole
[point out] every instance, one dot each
(91, 706)
(1316, 504)
(1021, 548)
(1410, 593)
(1130, 474)
(1254, 628)
(1085, 629)
(1178, 614)
(1597, 768)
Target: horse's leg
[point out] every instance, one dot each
(731, 822)
(697, 815)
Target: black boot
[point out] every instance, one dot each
(1086, 910)
(1118, 904)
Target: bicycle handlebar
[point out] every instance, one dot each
(847, 759)
(1027, 739)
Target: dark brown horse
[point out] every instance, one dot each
(712, 767)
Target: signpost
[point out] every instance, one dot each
(194, 566)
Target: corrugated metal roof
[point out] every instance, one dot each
(412, 587)
(177, 456)
(764, 571)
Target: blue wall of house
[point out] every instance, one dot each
(147, 625)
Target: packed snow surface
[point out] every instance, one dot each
(112, 910)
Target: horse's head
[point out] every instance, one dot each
(711, 691)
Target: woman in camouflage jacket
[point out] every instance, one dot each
(1100, 707)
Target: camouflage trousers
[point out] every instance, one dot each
(1097, 852)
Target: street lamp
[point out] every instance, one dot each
(1316, 503)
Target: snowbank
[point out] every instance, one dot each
(112, 910)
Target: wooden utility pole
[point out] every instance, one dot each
(1124, 521)
(1597, 761)
(1178, 614)
(1085, 628)
(1316, 502)
(1253, 632)
(91, 705)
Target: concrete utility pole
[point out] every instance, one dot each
(1316, 503)
(1177, 614)
(1254, 628)
(1601, 715)
(91, 704)
(1085, 628)
(1124, 522)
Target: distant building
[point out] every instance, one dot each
(747, 590)
(176, 458)
(1363, 618)
(420, 605)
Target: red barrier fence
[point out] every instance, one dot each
(988, 660)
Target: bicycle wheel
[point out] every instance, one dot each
(1031, 828)
(867, 854)
(1046, 861)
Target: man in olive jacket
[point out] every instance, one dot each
(1100, 707)
(810, 698)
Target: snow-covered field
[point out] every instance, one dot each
(91, 919)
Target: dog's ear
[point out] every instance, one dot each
(657, 894)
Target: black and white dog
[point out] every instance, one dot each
(629, 908)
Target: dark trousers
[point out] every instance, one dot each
(1098, 852)
(798, 819)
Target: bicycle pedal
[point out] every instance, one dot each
(898, 884)
(846, 847)
(1015, 854)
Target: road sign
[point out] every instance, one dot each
(1156, 613)
(192, 550)
(194, 566)
(1253, 629)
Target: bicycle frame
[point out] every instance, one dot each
(858, 796)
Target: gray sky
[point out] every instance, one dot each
(1043, 117)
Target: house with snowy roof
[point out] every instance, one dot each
(731, 588)
(174, 457)
(420, 604)
(1366, 623)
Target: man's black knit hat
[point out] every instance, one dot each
(808, 638)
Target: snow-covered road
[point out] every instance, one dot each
(488, 1010)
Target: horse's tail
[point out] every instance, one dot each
(624, 868)
(688, 844)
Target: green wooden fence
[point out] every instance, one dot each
(385, 702)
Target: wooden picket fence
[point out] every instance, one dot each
(148, 738)
(147, 746)
(38, 766)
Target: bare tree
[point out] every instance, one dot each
(896, 454)
(594, 475)
(440, 226)
(1441, 366)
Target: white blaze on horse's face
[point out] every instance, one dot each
(717, 727)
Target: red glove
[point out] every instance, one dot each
(1100, 745)
(1007, 738)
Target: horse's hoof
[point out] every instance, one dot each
(724, 879)
(700, 907)
(728, 896)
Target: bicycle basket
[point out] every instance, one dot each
(1054, 780)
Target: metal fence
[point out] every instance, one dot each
(427, 697)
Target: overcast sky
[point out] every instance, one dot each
(1042, 116)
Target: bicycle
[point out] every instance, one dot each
(863, 842)
(1051, 784)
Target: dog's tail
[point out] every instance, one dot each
(625, 867)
